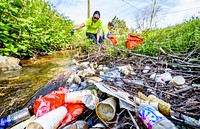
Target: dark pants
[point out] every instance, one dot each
(93, 37)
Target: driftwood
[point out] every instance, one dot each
(54, 84)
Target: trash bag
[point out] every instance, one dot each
(54, 100)
(113, 39)
(73, 111)
(133, 41)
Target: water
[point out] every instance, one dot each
(16, 87)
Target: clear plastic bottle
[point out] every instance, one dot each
(152, 118)
(14, 118)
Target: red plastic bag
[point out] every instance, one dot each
(73, 111)
(49, 102)
(54, 100)
(133, 41)
(113, 39)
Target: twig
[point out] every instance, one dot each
(191, 53)
(167, 54)
(185, 89)
(133, 120)
(119, 115)
(121, 125)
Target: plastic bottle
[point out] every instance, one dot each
(163, 106)
(77, 96)
(15, 118)
(152, 118)
(77, 125)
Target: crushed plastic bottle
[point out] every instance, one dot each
(163, 106)
(153, 119)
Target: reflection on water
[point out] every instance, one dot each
(16, 87)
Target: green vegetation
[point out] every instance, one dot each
(28, 27)
(31, 26)
(178, 39)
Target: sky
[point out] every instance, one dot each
(172, 11)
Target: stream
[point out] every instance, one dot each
(17, 87)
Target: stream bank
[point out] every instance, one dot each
(17, 86)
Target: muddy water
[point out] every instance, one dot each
(16, 87)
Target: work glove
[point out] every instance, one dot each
(72, 31)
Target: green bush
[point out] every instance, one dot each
(177, 39)
(27, 26)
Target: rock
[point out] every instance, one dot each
(9, 63)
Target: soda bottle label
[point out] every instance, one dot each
(150, 116)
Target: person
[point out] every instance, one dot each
(105, 33)
(93, 27)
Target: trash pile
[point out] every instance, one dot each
(135, 92)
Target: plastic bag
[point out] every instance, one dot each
(73, 111)
(54, 100)
(133, 41)
(113, 39)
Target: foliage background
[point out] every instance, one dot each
(30, 26)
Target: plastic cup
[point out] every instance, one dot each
(90, 101)
(50, 120)
(177, 80)
(106, 109)
(77, 96)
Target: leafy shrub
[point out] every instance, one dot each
(31, 26)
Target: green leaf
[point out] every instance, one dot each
(7, 49)
(6, 53)
(13, 49)
(14, 35)
(25, 36)
(4, 39)
(22, 47)
(15, 26)
(14, 10)
(6, 33)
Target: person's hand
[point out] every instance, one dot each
(98, 42)
(72, 31)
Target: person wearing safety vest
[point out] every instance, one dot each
(93, 27)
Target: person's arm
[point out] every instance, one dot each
(98, 34)
(79, 26)
(76, 28)
(106, 34)
(106, 37)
